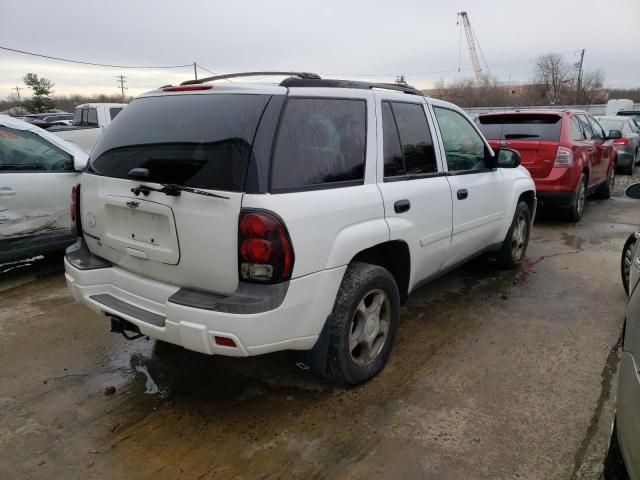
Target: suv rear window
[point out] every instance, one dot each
(321, 142)
(524, 126)
(201, 141)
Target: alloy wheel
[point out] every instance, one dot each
(628, 260)
(519, 237)
(369, 327)
(582, 196)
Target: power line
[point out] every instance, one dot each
(435, 72)
(89, 63)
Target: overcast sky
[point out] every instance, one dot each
(367, 40)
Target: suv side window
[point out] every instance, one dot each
(586, 126)
(320, 142)
(418, 152)
(92, 117)
(463, 145)
(598, 133)
(24, 151)
(576, 130)
(408, 146)
(393, 164)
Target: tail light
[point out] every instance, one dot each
(564, 157)
(74, 210)
(621, 141)
(265, 253)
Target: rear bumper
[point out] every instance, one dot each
(558, 188)
(624, 157)
(628, 413)
(555, 199)
(294, 324)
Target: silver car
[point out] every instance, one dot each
(623, 457)
(628, 145)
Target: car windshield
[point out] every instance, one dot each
(531, 126)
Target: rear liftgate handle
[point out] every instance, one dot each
(462, 194)
(402, 206)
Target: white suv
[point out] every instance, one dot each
(240, 219)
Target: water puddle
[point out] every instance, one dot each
(152, 388)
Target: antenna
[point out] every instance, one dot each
(506, 101)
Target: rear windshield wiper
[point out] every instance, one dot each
(173, 190)
(520, 135)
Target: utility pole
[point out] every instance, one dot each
(195, 71)
(579, 82)
(122, 80)
(18, 92)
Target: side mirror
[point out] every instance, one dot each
(633, 191)
(614, 134)
(507, 158)
(79, 162)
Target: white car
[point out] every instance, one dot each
(37, 171)
(295, 216)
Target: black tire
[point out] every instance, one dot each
(346, 365)
(576, 210)
(614, 468)
(514, 246)
(606, 189)
(625, 261)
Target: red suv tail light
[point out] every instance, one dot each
(564, 157)
(620, 141)
(265, 253)
(74, 210)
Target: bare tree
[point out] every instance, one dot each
(554, 73)
(591, 89)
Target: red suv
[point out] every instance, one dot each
(567, 153)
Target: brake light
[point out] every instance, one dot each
(74, 210)
(564, 157)
(621, 141)
(265, 253)
(186, 88)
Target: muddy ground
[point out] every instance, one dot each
(494, 374)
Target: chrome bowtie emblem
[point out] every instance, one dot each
(133, 204)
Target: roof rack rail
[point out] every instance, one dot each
(331, 83)
(301, 75)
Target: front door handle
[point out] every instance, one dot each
(7, 192)
(462, 194)
(402, 206)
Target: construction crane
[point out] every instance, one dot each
(472, 42)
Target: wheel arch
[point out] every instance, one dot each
(395, 257)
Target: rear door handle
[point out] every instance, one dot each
(462, 194)
(7, 192)
(402, 206)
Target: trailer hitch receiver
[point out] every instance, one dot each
(120, 325)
